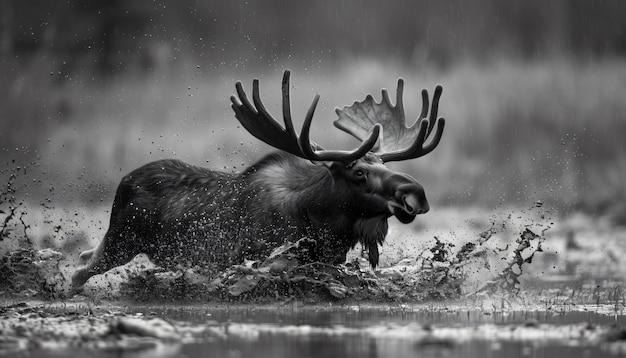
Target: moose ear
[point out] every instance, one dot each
(334, 165)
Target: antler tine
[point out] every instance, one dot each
(240, 106)
(261, 108)
(425, 104)
(287, 104)
(333, 155)
(399, 97)
(434, 109)
(304, 141)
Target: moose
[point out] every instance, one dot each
(180, 214)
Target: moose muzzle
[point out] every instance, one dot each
(408, 200)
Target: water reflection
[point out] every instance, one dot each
(349, 331)
(391, 332)
(366, 316)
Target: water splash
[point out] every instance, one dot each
(12, 209)
(440, 272)
(447, 269)
(509, 279)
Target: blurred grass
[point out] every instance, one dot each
(548, 131)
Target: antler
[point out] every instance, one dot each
(398, 141)
(260, 123)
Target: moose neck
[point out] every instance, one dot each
(295, 187)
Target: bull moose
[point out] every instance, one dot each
(180, 214)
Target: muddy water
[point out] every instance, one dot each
(347, 331)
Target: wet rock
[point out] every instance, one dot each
(244, 284)
(31, 272)
(337, 290)
(155, 327)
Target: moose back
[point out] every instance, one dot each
(180, 214)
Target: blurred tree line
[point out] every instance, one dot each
(117, 36)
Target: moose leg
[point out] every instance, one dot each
(114, 250)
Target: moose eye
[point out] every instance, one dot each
(359, 173)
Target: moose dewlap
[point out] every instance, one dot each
(178, 213)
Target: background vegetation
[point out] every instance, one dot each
(534, 91)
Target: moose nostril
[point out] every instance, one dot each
(410, 203)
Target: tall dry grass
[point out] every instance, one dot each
(518, 133)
